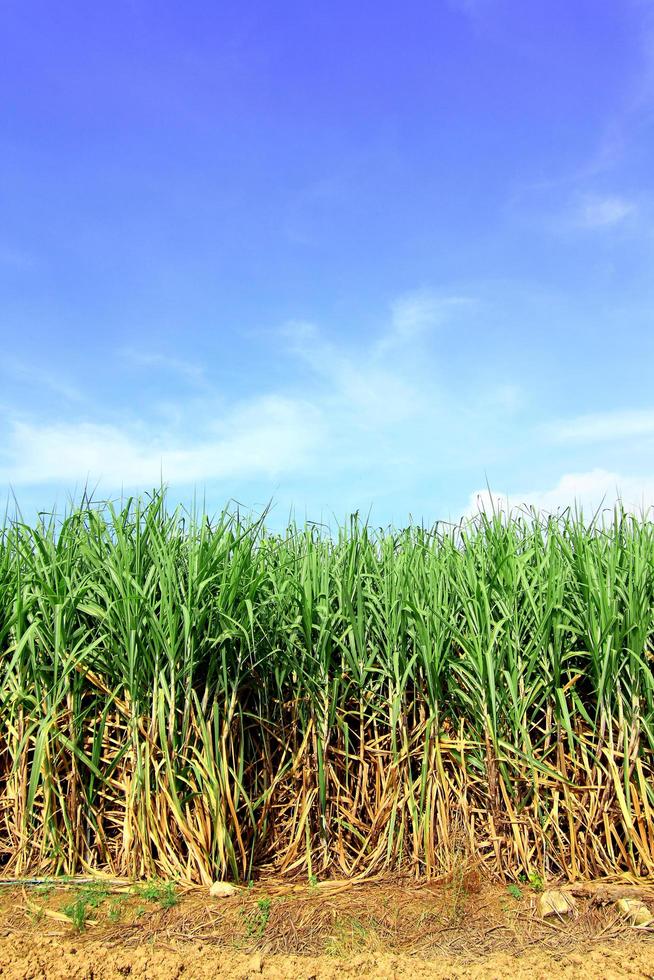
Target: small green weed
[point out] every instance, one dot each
(36, 914)
(116, 909)
(77, 912)
(90, 896)
(163, 893)
(533, 879)
(94, 894)
(514, 891)
(257, 919)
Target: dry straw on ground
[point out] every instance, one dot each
(382, 930)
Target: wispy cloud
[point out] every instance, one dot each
(602, 212)
(369, 410)
(347, 421)
(508, 397)
(418, 313)
(471, 8)
(602, 426)
(586, 193)
(565, 205)
(15, 258)
(354, 385)
(31, 377)
(188, 370)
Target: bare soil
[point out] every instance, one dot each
(400, 930)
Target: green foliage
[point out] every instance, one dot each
(514, 891)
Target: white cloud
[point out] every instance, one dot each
(191, 372)
(264, 438)
(589, 491)
(602, 426)
(347, 411)
(602, 212)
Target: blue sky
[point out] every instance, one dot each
(336, 255)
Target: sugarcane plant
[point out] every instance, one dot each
(196, 698)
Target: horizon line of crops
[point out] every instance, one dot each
(195, 698)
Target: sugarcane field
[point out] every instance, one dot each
(326, 489)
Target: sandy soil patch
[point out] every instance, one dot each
(401, 930)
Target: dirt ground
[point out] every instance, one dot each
(456, 928)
